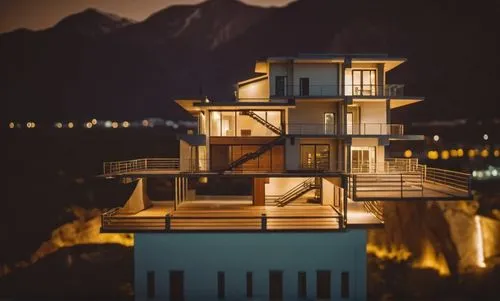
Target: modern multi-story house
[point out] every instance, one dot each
(309, 132)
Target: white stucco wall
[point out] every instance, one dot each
(279, 186)
(323, 78)
(254, 92)
(202, 255)
(373, 114)
(311, 112)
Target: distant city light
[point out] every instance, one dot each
(30, 125)
(445, 155)
(494, 172)
(94, 121)
(114, 124)
(12, 125)
(436, 138)
(471, 153)
(485, 153)
(70, 125)
(145, 123)
(125, 124)
(496, 153)
(433, 155)
(485, 137)
(88, 125)
(108, 124)
(408, 153)
(58, 125)
(460, 152)
(454, 153)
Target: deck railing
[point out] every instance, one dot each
(322, 129)
(453, 179)
(313, 90)
(120, 167)
(169, 222)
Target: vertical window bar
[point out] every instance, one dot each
(221, 285)
(344, 285)
(249, 284)
(302, 285)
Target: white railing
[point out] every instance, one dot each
(454, 179)
(351, 129)
(375, 129)
(121, 167)
(389, 165)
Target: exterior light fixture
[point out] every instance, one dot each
(485, 137)
(435, 138)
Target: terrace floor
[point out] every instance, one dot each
(430, 191)
(235, 215)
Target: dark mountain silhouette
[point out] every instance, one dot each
(95, 64)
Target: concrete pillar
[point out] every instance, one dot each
(138, 199)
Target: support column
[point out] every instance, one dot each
(259, 191)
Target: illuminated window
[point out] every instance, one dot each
(315, 156)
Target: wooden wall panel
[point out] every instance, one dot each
(259, 191)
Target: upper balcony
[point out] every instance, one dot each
(367, 90)
(359, 129)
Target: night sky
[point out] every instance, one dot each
(39, 14)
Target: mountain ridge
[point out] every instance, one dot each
(135, 69)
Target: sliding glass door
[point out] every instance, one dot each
(364, 82)
(363, 159)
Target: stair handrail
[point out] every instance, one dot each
(262, 121)
(304, 185)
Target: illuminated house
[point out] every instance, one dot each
(309, 134)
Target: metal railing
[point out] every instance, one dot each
(169, 222)
(384, 183)
(313, 90)
(350, 129)
(121, 167)
(454, 179)
(376, 208)
(389, 165)
(375, 129)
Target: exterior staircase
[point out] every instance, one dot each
(296, 192)
(262, 121)
(249, 156)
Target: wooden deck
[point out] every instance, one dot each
(225, 215)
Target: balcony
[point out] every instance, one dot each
(405, 179)
(389, 90)
(222, 214)
(361, 129)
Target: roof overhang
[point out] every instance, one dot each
(252, 80)
(404, 101)
(245, 105)
(389, 63)
(189, 105)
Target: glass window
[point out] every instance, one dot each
(280, 86)
(151, 284)
(348, 82)
(315, 156)
(228, 126)
(249, 284)
(274, 118)
(344, 285)
(329, 123)
(304, 86)
(215, 123)
(221, 287)
(302, 285)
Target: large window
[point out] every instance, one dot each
(223, 155)
(329, 123)
(363, 159)
(304, 86)
(360, 82)
(315, 156)
(236, 124)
